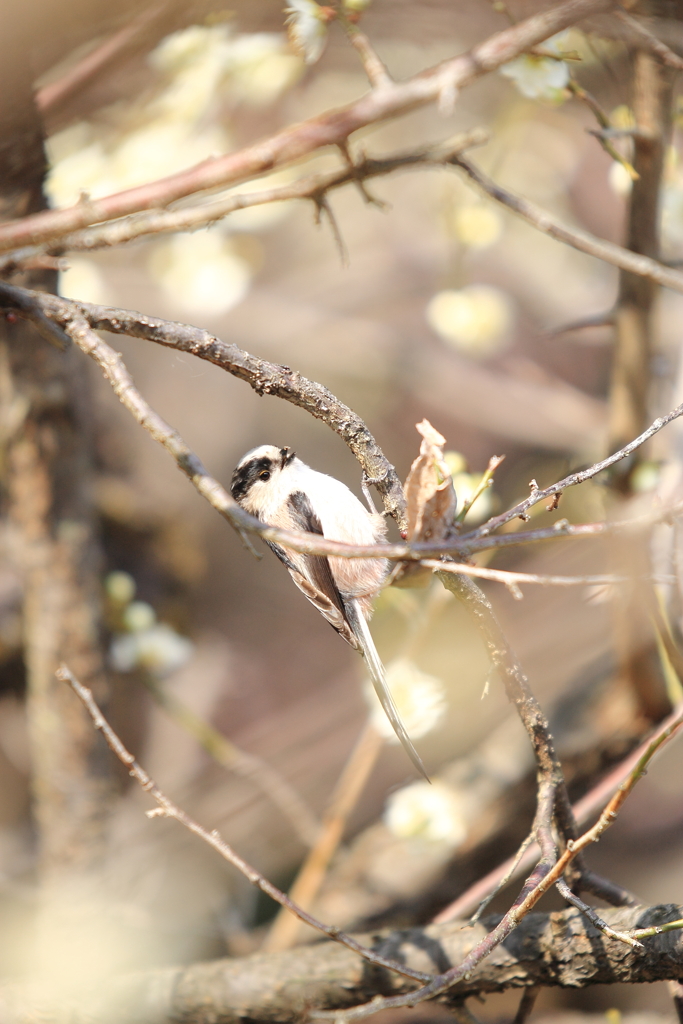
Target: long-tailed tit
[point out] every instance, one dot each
(279, 489)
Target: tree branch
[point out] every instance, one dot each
(635, 263)
(167, 809)
(270, 378)
(329, 129)
(313, 187)
(547, 950)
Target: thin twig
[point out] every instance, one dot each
(348, 789)
(627, 938)
(534, 889)
(313, 188)
(650, 41)
(375, 68)
(53, 95)
(576, 237)
(526, 1005)
(298, 140)
(510, 576)
(469, 543)
(167, 809)
(605, 319)
(517, 511)
(590, 804)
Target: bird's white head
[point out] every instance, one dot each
(261, 478)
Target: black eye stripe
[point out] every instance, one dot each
(244, 476)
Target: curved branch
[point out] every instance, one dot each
(329, 129)
(272, 379)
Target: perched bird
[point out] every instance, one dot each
(279, 489)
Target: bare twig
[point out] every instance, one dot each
(590, 804)
(509, 576)
(577, 478)
(650, 42)
(53, 95)
(167, 809)
(313, 187)
(526, 1005)
(375, 68)
(576, 237)
(534, 888)
(469, 543)
(296, 141)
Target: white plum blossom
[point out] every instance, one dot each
(476, 225)
(465, 484)
(475, 319)
(307, 28)
(200, 68)
(430, 811)
(139, 616)
(159, 650)
(540, 78)
(84, 280)
(200, 273)
(419, 697)
(120, 587)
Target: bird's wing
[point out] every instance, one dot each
(313, 575)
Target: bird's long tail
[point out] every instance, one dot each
(361, 630)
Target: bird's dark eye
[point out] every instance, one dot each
(265, 475)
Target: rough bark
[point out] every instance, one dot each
(560, 949)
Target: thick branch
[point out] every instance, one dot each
(330, 129)
(554, 950)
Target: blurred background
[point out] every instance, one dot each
(443, 306)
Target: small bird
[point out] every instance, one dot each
(279, 489)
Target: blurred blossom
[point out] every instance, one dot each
(622, 117)
(202, 68)
(139, 616)
(456, 462)
(541, 78)
(420, 699)
(355, 6)
(426, 810)
(159, 650)
(672, 214)
(307, 28)
(645, 477)
(465, 485)
(83, 280)
(619, 179)
(120, 587)
(475, 320)
(200, 273)
(261, 67)
(477, 226)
